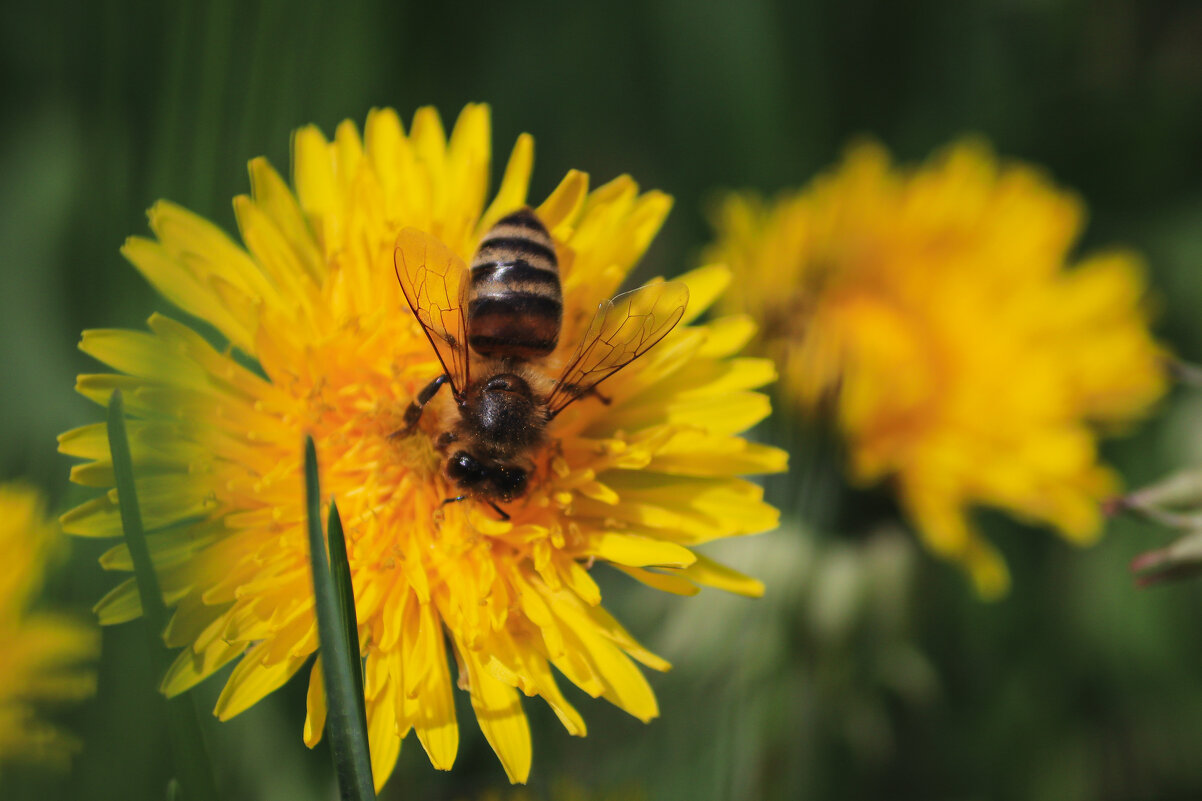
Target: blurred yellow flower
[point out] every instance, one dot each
(41, 654)
(935, 313)
(313, 301)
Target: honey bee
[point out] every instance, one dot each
(493, 327)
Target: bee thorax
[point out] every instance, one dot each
(501, 416)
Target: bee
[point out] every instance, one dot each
(493, 327)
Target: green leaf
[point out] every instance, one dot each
(153, 608)
(346, 723)
(340, 567)
(189, 755)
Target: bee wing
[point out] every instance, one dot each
(623, 329)
(434, 281)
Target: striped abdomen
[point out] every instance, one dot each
(515, 305)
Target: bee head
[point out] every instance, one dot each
(497, 481)
(466, 470)
(507, 482)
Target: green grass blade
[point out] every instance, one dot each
(340, 567)
(153, 608)
(345, 722)
(189, 755)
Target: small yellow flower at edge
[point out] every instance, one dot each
(312, 298)
(966, 357)
(42, 655)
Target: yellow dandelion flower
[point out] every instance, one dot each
(40, 653)
(312, 298)
(964, 359)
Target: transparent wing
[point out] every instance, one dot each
(622, 330)
(434, 281)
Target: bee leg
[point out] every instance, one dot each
(414, 412)
(445, 440)
(504, 515)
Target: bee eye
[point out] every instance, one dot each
(510, 482)
(463, 468)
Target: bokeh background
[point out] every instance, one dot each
(869, 670)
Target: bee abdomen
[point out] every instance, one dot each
(516, 303)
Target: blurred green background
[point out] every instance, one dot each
(869, 670)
